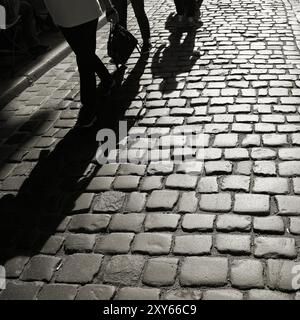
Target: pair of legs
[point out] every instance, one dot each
(187, 7)
(29, 29)
(82, 40)
(139, 11)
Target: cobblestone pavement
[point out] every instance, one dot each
(227, 228)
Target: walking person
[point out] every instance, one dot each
(13, 9)
(187, 8)
(78, 20)
(141, 16)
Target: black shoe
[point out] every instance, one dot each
(39, 50)
(86, 118)
(146, 47)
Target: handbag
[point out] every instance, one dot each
(121, 44)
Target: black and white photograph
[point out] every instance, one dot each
(149, 153)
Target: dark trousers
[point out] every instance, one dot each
(28, 21)
(82, 40)
(186, 6)
(139, 11)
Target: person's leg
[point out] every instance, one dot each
(139, 11)
(99, 67)
(74, 36)
(28, 20)
(193, 19)
(29, 30)
(191, 8)
(179, 4)
(82, 40)
(121, 7)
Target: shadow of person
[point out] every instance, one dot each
(176, 57)
(127, 90)
(51, 192)
(48, 194)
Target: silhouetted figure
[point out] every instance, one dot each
(187, 8)
(178, 56)
(78, 22)
(15, 8)
(142, 19)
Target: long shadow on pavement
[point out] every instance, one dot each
(60, 177)
(176, 58)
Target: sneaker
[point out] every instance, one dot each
(146, 47)
(107, 86)
(86, 118)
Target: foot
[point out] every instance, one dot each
(86, 118)
(39, 50)
(146, 47)
(107, 86)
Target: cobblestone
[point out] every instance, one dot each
(247, 274)
(58, 292)
(181, 181)
(132, 222)
(162, 200)
(234, 244)
(288, 205)
(95, 292)
(114, 243)
(153, 244)
(198, 222)
(110, 201)
(79, 243)
(15, 266)
(236, 182)
(183, 295)
(192, 245)
(40, 268)
(222, 294)
(136, 202)
(268, 225)
(280, 274)
(252, 204)
(271, 185)
(255, 294)
(271, 247)
(137, 294)
(264, 168)
(124, 269)
(21, 291)
(232, 222)
(295, 225)
(79, 268)
(204, 271)
(162, 222)
(213, 202)
(160, 272)
(89, 223)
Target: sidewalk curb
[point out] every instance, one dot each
(55, 56)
